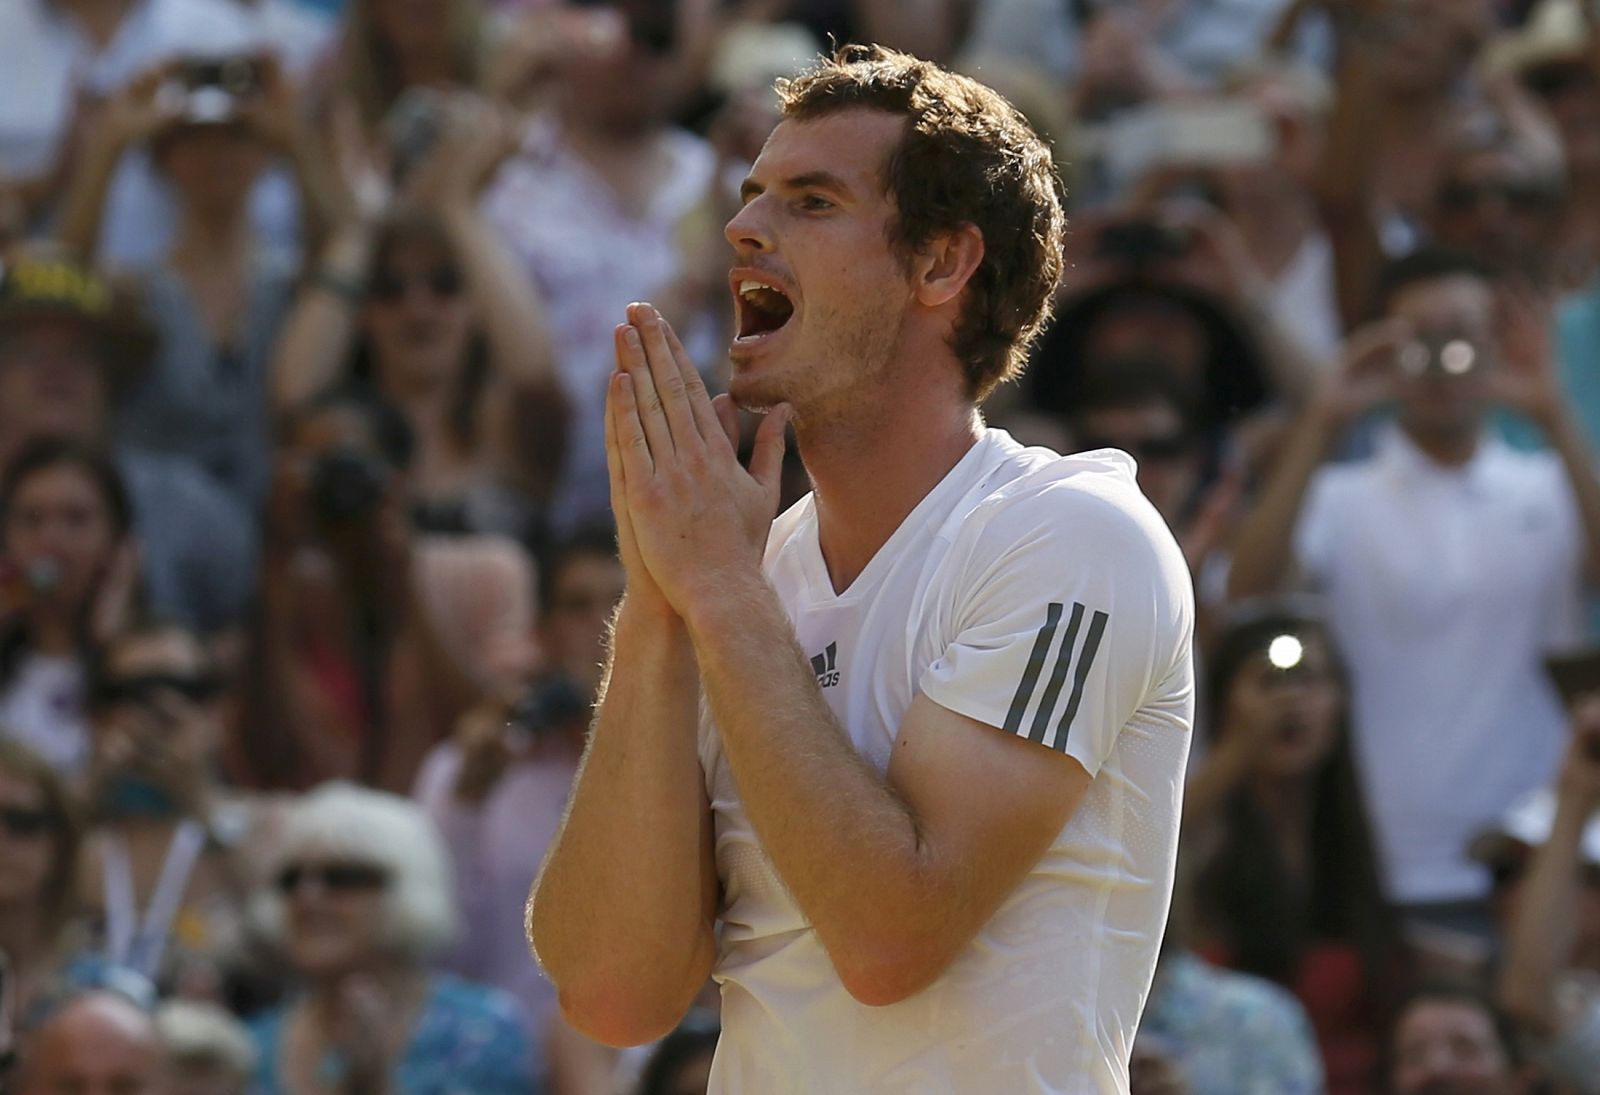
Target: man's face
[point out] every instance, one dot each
(824, 296)
(1449, 1047)
(1492, 205)
(1437, 404)
(98, 1046)
(51, 381)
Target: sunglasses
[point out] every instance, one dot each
(1146, 450)
(23, 823)
(332, 877)
(144, 688)
(441, 281)
(1549, 81)
(1458, 197)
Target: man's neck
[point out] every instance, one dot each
(1451, 450)
(871, 473)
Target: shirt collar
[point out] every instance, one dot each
(1400, 456)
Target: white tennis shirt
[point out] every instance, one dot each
(1042, 595)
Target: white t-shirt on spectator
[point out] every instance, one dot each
(1446, 587)
(1042, 595)
(43, 708)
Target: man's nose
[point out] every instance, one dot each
(747, 230)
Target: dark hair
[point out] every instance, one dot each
(1440, 991)
(420, 229)
(391, 435)
(595, 541)
(1423, 265)
(967, 156)
(695, 1037)
(1247, 890)
(61, 888)
(42, 455)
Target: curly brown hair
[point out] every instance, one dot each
(967, 156)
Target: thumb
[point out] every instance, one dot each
(766, 461)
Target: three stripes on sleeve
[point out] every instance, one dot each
(1051, 715)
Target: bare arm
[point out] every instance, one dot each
(130, 116)
(317, 334)
(1347, 183)
(1540, 942)
(622, 915)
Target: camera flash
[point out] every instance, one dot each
(1285, 652)
(1457, 357)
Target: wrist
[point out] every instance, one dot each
(723, 602)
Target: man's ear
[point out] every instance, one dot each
(946, 264)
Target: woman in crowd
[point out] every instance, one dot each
(71, 576)
(1287, 885)
(41, 834)
(415, 296)
(361, 898)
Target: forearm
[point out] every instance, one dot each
(513, 314)
(317, 335)
(622, 913)
(83, 207)
(846, 846)
(1345, 191)
(1540, 941)
(1263, 551)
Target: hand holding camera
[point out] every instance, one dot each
(1369, 373)
(1526, 380)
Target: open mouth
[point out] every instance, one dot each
(762, 308)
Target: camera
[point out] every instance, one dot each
(549, 703)
(346, 485)
(208, 90)
(1141, 242)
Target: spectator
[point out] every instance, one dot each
(417, 297)
(362, 898)
(498, 790)
(1551, 979)
(1451, 1038)
(218, 294)
(99, 1043)
(64, 524)
(371, 639)
(592, 205)
(168, 860)
(65, 349)
(208, 1051)
(681, 1062)
(1287, 887)
(1445, 558)
(40, 833)
(1556, 58)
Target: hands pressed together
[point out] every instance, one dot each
(691, 522)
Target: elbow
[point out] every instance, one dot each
(879, 976)
(618, 1014)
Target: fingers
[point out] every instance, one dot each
(632, 442)
(699, 400)
(647, 407)
(667, 376)
(766, 462)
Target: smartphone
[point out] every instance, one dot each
(1221, 132)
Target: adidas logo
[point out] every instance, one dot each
(823, 665)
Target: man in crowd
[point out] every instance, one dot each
(933, 797)
(1451, 565)
(97, 1044)
(1448, 1038)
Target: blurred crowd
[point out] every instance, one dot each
(306, 313)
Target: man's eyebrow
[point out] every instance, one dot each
(824, 180)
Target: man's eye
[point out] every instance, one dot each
(815, 204)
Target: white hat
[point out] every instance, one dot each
(1556, 31)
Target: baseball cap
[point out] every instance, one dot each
(1526, 825)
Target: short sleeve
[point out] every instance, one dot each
(1071, 609)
